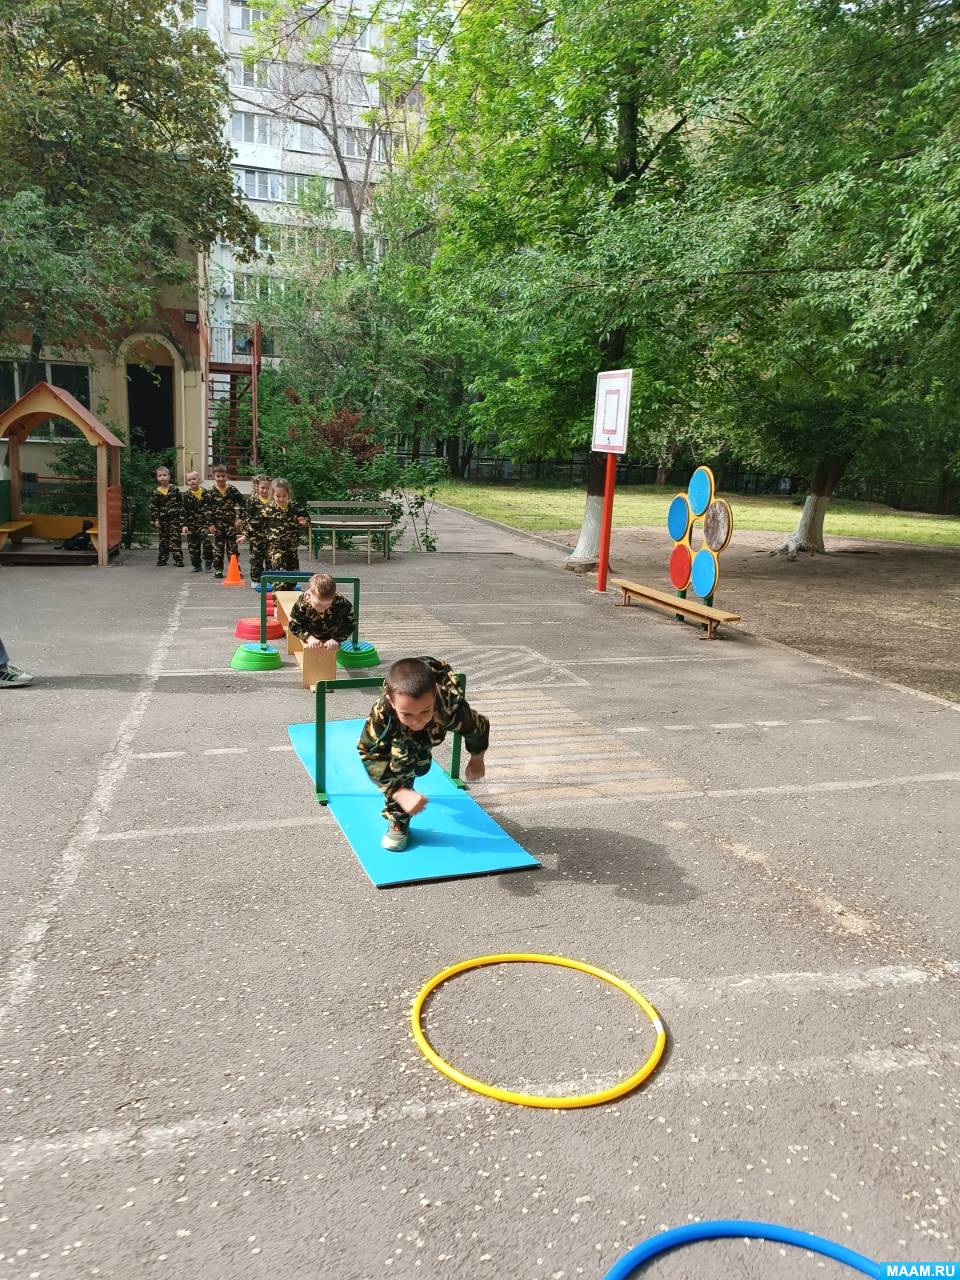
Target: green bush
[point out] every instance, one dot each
(334, 455)
(77, 461)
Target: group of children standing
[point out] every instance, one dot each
(216, 520)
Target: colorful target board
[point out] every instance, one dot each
(699, 570)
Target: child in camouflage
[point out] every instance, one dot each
(165, 516)
(284, 521)
(321, 616)
(421, 700)
(255, 525)
(225, 509)
(195, 515)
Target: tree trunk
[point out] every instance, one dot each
(34, 367)
(465, 459)
(808, 535)
(453, 455)
(663, 474)
(415, 447)
(586, 554)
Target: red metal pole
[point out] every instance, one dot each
(255, 387)
(606, 522)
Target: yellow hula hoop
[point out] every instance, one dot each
(534, 1099)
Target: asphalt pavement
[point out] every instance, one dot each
(207, 1069)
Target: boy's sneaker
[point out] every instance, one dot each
(208, 565)
(197, 569)
(161, 564)
(218, 575)
(395, 838)
(12, 677)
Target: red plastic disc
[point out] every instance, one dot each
(249, 629)
(680, 563)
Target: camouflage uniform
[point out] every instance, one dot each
(224, 510)
(165, 512)
(196, 520)
(283, 539)
(394, 756)
(255, 527)
(335, 623)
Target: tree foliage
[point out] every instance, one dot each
(113, 163)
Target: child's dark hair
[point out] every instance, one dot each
(322, 586)
(411, 677)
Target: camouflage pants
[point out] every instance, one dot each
(476, 738)
(224, 546)
(258, 557)
(170, 541)
(198, 540)
(284, 558)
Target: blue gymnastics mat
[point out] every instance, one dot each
(452, 837)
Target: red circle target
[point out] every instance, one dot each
(680, 565)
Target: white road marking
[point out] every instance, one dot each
(859, 717)
(155, 755)
(24, 958)
(225, 751)
(770, 724)
(812, 788)
(632, 661)
(728, 724)
(816, 720)
(141, 1141)
(319, 819)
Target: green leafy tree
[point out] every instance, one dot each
(113, 162)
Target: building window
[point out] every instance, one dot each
(74, 378)
(200, 16)
(252, 126)
(302, 136)
(354, 143)
(249, 75)
(352, 33)
(267, 184)
(242, 17)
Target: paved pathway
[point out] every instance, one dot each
(207, 1071)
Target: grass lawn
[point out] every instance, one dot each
(539, 506)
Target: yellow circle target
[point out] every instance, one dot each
(534, 1099)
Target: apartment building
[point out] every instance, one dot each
(299, 126)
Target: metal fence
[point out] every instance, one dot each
(902, 494)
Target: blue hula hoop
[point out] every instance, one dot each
(739, 1229)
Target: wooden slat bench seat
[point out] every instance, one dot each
(704, 613)
(15, 530)
(350, 517)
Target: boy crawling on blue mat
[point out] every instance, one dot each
(421, 701)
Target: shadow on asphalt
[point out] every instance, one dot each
(637, 869)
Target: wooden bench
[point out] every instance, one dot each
(705, 613)
(350, 517)
(15, 530)
(315, 664)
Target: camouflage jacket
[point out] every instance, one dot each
(255, 518)
(195, 511)
(391, 753)
(224, 509)
(282, 527)
(165, 507)
(335, 623)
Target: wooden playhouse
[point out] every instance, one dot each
(24, 530)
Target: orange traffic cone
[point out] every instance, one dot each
(233, 578)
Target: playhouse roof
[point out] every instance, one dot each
(46, 401)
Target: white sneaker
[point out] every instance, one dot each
(394, 839)
(12, 677)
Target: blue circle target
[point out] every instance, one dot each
(700, 490)
(705, 573)
(678, 518)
